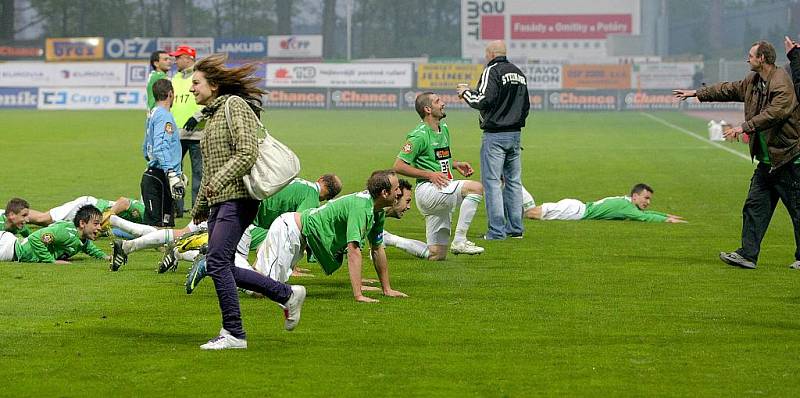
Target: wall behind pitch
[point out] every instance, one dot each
(92, 98)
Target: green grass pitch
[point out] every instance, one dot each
(573, 309)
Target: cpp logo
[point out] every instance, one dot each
(293, 43)
(54, 97)
(137, 73)
(126, 97)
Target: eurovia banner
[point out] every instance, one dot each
(447, 76)
(74, 49)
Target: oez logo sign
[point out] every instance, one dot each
(136, 48)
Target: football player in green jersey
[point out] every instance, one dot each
(126, 208)
(58, 242)
(426, 156)
(15, 217)
(633, 207)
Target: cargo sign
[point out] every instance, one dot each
(62, 74)
(246, 48)
(393, 75)
(597, 76)
(133, 48)
(296, 46)
(18, 98)
(92, 98)
(74, 49)
(203, 45)
(447, 76)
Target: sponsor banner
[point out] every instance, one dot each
(132, 48)
(394, 75)
(597, 76)
(74, 49)
(18, 97)
(203, 45)
(447, 76)
(544, 29)
(296, 46)
(62, 74)
(247, 48)
(667, 75)
(649, 100)
(136, 74)
(692, 104)
(582, 100)
(297, 98)
(536, 99)
(92, 98)
(542, 76)
(28, 49)
(365, 99)
(450, 99)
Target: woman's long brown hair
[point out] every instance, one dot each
(240, 81)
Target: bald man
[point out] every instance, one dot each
(502, 99)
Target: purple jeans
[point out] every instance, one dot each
(226, 224)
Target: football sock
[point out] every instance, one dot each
(410, 246)
(527, 199)
(131, 227)
(468, 207)
(152, 239)
(188, 255)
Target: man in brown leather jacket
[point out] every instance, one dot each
(772, 120)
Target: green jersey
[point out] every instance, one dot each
(257, 236)
(134, 213)
(184, 106)
(58, 241)
(764, 155)
(329, 228)
(427, 149)
(620, 208)
(299, 195)
(24, 231)
(155, 76)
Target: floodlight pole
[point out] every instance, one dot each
(349, 27)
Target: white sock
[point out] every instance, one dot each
(188, 255)
(468, 207)
(152, 239)
(527, 200)
(410, 246)
(131, 227)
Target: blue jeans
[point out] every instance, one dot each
(501, 158)
(196, 157)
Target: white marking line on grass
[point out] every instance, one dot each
(701, 138)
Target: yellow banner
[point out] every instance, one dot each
(74, 49)
(447, 76)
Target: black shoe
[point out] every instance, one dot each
(119, 258)
(170, 260)
(735, 259)
(515, 235)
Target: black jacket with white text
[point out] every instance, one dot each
(501, 97)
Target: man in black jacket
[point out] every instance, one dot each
(503, 102)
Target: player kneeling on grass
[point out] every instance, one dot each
(339, 226)
(58, 242)
(631, 207)
(426, 157)
(15, 217)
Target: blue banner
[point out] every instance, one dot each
(242, 48)
(18, 97)
(132, 48)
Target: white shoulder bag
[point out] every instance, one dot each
(276, 165)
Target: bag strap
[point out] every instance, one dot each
(228, 115)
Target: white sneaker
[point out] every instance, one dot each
(465, 247)
(224, 341)
(291, 310)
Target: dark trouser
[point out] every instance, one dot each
(226, 224)
(765, 190)
(157, 199)
(196, 157)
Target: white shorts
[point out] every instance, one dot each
(437, 205)
(565, 209)
(282, 249)
(67, 210)
(7, 243)
(243, 248)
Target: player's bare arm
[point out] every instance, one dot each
(408, 170)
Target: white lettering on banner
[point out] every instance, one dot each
(20, 99)
(129, 48)
(241, 47)
(92, 98)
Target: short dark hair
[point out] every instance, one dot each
(16, 205)
(155, 56)
(421, 102)
(638, 188)
(332, 185)
(766, 50)
(404, 184)
(86, 214)
(379, 182)
(161, 89)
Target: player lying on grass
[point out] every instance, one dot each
(297, 196)
(631, 207)
(57, 242)
(426, 157)
(338, 227)
(125, 208)
(15, 217)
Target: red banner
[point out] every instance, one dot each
(596, 26)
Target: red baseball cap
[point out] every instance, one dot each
(181, 50)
